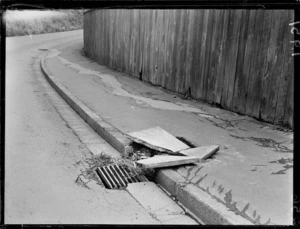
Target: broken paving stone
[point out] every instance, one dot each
(202, 152)
(160, 161)
(158, 139)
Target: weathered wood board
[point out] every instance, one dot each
(160, 161)
(201, 152)
(158, 139)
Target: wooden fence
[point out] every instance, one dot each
(238, 59)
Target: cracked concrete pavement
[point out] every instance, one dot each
(251, 174)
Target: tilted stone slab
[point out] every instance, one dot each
(159, 161)
(158, 139)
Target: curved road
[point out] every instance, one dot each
(41, 151)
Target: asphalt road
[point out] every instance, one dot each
(41, 152)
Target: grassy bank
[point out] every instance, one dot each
(20, 23)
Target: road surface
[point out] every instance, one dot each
(41, 151)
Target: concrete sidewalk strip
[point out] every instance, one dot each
(158, 203)
(202, 152)
(168, 179)
(160, 161)
(113, 136)
(158, 139)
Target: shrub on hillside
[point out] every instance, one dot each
(65, 20)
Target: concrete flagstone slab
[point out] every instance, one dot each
(160, 161)
(158, 139)
(158, 203)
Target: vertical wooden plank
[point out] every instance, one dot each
(126, 52)
(202, 60)
(219, 82)
(243, 62)
(157, 47)
(142, 44)
(208, 76)
(125, 41)
(173, 50)
(137, 45)
(260, 64)
(149, 50)
(227, 57)
(112, 32)
(166, 51)
(217, 40)
(270, 75)
(130, 47)
(289, 104)
(190, 49)
(131, 41)
(95, 34)
(155, 34)
(160, 53)
(147, 38)
(105, 57)
(153, 47)
(286, 74)
(232, 50)
(289, 109)
(92, 33)
(150, 47)
(267, 64)
(119, 40)
(169, 47)
(145, 43)
(254, 55)
(197, 41)
(178, 49)
(101, 43)
(184, 55)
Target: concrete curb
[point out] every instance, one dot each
(109, 133)
(203, 206)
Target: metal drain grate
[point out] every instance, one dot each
(117, 177)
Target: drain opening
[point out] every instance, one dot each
(117, 177)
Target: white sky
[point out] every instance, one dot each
(25, 15)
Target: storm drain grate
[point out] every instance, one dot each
(117, 177)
